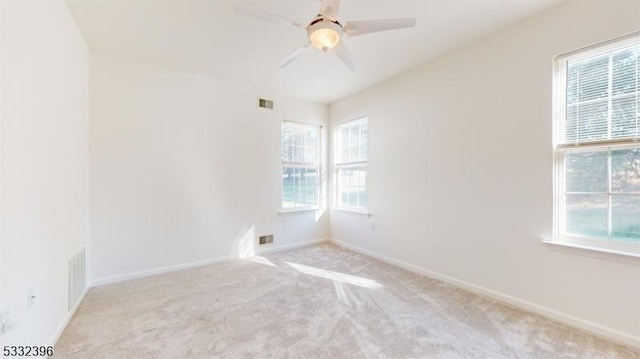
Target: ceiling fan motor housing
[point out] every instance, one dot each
(324, 34)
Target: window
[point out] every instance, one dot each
(300, 166)
(351, 165)
(597, 153)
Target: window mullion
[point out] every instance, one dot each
(638, 95)
(610, 198)
(578, 139)
(561, 197)
(356, 188)
(610, 97)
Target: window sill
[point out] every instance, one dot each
(593, 251)
(286, 212)
(354, 212)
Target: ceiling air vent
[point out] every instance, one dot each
(268, 104)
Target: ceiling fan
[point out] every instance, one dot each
(326, 32)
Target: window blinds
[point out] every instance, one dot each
(299, 143)
(599, 95)
(351, 139)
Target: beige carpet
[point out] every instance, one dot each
(315, 302)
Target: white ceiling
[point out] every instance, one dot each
(207, 37)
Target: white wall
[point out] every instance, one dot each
(182, 165)
(460, 170)
(2, 297)
(45, 162)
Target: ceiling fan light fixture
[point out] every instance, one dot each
(325, 31)
(325, 35)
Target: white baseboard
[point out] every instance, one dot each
(597, 329)
(67, 318)
(156, 271)
(267, 249)
(146, 273)
(168, 269)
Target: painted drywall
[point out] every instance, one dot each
(45, 163)
(2, 298)
(460, 170)
(185, 169)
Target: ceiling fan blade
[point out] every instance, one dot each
(355, 28)
(330, 8)
(342, 52)
(259, 14)
(294, 55)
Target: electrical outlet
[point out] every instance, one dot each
(5, 321)
(31, 297)
(373, 226)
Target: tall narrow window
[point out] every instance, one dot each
(597, 153)
(351, 165)
(300, 166)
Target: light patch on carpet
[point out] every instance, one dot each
(335, 276)
(315, 302)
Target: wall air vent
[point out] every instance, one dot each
(265, 239)
(77, 277)
(268, 104)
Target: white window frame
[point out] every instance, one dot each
(317, 165)
(561, 149)
(339, 166)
